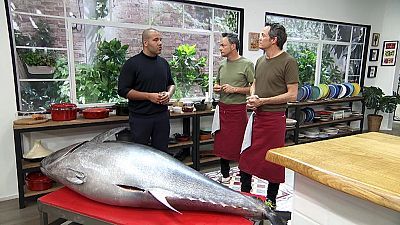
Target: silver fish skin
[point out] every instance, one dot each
(134, 175)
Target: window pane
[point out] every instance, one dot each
(189, 66)
(226, 21)
(197, 17)
(302, 29)
(45, 7)
(344, 33)
(42, 64)
(99, 55)
(38, 31)
(355, 67)
(358, 34)
(169, 14)
(75, 8)
(37, 96)
(333, 67)
(356, 51)
(275, 19)
(329, 32)
(306, 55)
(354, 79)
(217, 40)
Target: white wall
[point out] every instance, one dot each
(8, 180)
(387, 76)
(354, 11)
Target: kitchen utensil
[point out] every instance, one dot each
(95, 113)
(37, 181)
(63, 111)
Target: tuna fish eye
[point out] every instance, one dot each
(130, 188)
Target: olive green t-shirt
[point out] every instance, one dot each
(273, 76)
(237, 73)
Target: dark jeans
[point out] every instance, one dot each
(225, 167)
(272, 190)
(152, 129)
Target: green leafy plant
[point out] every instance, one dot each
(376, 100)
(38, 58)
(330, 73)
(306, 60)
(187, 70)
(98, 82)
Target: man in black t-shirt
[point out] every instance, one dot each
(146, 81)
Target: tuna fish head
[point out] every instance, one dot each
(56, 163)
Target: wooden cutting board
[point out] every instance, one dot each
(29, 121)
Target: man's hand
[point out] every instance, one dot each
(154, 98)
(164, 97)
(253, 102)
(228, 88)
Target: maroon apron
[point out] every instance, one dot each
(268, 132)
(228, 140)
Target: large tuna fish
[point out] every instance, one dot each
(128, 174)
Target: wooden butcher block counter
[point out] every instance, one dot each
(365, 165)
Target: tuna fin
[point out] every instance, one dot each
(160, 195)
(108, 134)
(75, 176)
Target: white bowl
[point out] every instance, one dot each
(177, 109)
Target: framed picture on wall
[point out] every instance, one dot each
(389, 53)
(373, 54)
(253, 41)
(375, 40)
(372, 71)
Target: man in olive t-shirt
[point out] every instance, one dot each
(235, 75)
(275, 84)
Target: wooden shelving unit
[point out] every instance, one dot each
(299, 105)
(191, 127)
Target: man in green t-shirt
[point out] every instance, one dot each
(234, 78)
(275, 84)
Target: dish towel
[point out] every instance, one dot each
(215, 123)
(247, 134)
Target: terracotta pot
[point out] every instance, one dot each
(37, 181)
(63, 111)
(374, 122)
(95, 113)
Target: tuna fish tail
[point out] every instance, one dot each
(273, 216)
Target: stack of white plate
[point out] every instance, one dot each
(331, 130)
(290, 122)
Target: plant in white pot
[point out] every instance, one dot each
(376, 100)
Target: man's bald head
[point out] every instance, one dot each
(147, 34)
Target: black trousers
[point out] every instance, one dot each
(151, 130)
(272, 190)
(225, 167)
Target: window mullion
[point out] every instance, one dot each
(210, 66)
(318, 64)
(71, 60)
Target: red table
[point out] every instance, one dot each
(69, 205)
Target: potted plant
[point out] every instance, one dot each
(39, 63)
(376, 100)
(187, 70)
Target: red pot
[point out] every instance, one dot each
(95, 113)
(63, 111)
(37, 181)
